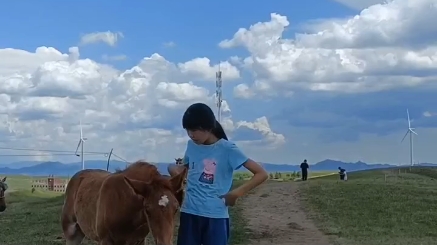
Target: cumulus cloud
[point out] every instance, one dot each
(137, 111)
(107, 37)
(390, 28)
(203, 70)
(243, 91)
(262, 126)
(339, 91)
(348, 78)
(379, 49)
(360, 4)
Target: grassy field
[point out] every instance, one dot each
(17, 182)
(382, 207)
(22, 182)
(31, 218)
(34, 219)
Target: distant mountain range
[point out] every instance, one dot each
(61, 169)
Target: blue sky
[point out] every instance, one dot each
(305, 79)
(148, 24)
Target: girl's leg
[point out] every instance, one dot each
(190, 229)
(216, 232)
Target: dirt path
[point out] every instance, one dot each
(276, 218)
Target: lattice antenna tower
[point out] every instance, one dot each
(218, 93)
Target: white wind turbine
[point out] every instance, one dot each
(410, 131)
(81, 141)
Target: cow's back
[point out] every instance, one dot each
(80, 201)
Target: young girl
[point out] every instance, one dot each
(211, 160)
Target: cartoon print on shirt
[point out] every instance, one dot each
(209, 169)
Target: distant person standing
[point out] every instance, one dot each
(342, 173)
(304, 169)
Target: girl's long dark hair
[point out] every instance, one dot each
(200, 116)
(218, 131)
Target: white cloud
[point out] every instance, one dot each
(384, 47)
(262, 125)
(43, 95)
(429, 114)
(181, 91)
(108, 37)
(243, 91)
(351, 81)
(380, 25)
(360, 4)
(169, 44)
(202, 69)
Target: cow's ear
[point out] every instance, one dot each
(138, 187)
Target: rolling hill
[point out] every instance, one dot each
(66, 169)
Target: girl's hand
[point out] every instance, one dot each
(230, 198)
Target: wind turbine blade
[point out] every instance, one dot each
(405, 136)
(412, 131)
(409, 122)
(78, 145)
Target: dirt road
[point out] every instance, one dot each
(276, 218)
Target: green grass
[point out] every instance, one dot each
(239, 229)
(34, 219)
(23, 182)
(17, 182)
(31, 219)
(376, 207)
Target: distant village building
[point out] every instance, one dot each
(50, 184)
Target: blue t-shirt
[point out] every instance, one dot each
(209, 176)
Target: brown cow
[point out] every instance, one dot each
(3, 188)
(121, 208)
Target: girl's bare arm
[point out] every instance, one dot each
(259, 176)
